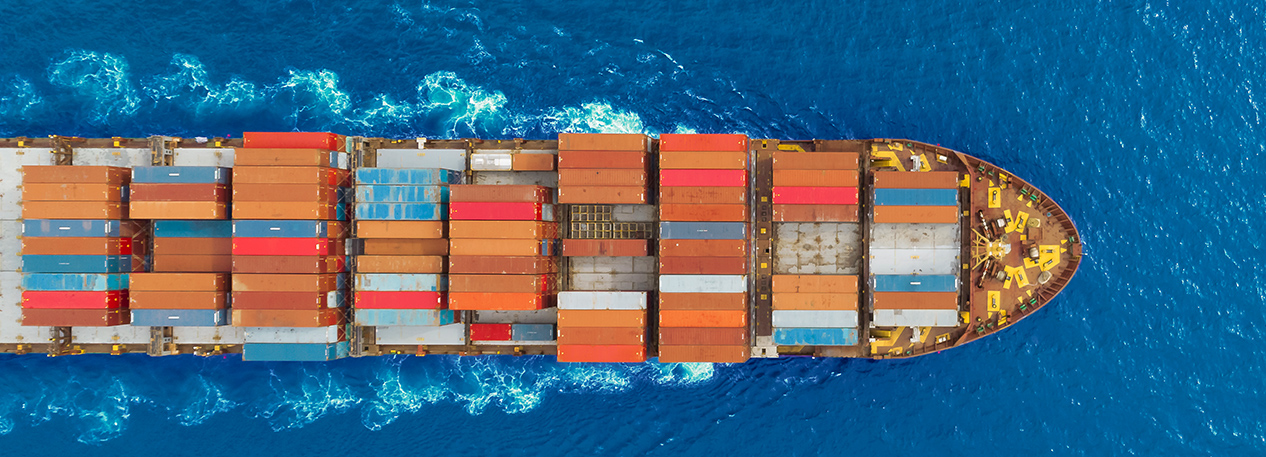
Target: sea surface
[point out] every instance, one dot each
(1142, 119)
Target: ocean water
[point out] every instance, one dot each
(1141, 118)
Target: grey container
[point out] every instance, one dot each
(815, 318)
(703, 230)
(532, 332)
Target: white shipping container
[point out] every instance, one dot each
(915, 318)
(208, 335)
(452, 334)
(717, 284)
(344, 161)
(448, 159)
(203, 157)
(602, 300)
(815, 318)
(491, 162)
(291, 334)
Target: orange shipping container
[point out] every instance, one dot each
(175, 282)
(702, 248)
(532, 162)
(285, 210)
(815, 160)
(916, 214)
(815, 178)
(475, 264)
(193, 246)
(324, 193)
(503, 283)
(636, 160)
(704, 160)
(602, 141)
(601, 335)
(82, 174)
(605, 195)
(602, 353)
(391, 246)
(915, 300)
(703, 265)
(703, 213)
(192, 263)
(284, 282)
(699, 318)
(74, 210)
(76, 246)
(400, 264)
(816, 301)
(474, 246)
(827, 284)
(605, 248)
(724, 336)
(499, 193)
(296, 264)
(72, 192)
(713, 354)
(815, 213)
(287, 318)
(178, 210)
(401, 229)
(703, 195)
(913, 180)
(535, 230)
(576, 177)
(601, 318)
(281, 157)
(702, 302)
(498, 301)
(289, 175)
(140, 299)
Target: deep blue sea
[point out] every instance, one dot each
(1142, 119)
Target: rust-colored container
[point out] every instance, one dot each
(76, 246)
(401, 229)
(602, 141)
(401, 264)
(284, 282)
(324, 193)
(285, 210)
(193, 246)
(178, 210)
(503, 229)
(916, 214)
(601, 318)
(532, 162)
(916, 180)
(537, 284)
(75, 317)
(703, 302)
(192, 263)
(702, 142)
(176, 282)
(283, 300)
(701, 318)
(703, 265)
(703, 195)
(628, 160)
(475, 246)
(601, 353)
(726, 336)
(815, 160)
(713, 354)
(601, 335)
(703, 213)
(145, 299)
(493, 193)
(74, 210)
(167, 192)
(605, 195)
(306, 140)
(703, 160)
(287, 318)
(391, 246)
(283, 157)
(82, 174)
(289, 175)
(815, 213)
(497, 301)
(605, 248)
(288, 264)
(702, 248)
(576, 177)
(83, 192)
(504, 265)
(914, 300)
(824, 284)
(816, 301)
(815, 178)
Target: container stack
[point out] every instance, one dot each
(815, 186)
(401, 264)
(916, 197)
(815, 310)
(602, 326)
(703, 249)
(290, 192)
(511, 333)
(914, 251)
(501, 248)
(77, 246)
(603, 168)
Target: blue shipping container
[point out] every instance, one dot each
(181, 175)
(532, 332)
(401, 211)
(916, 197)
(393, 282)
(70, 228)
(295, 352)
(916, 283)
(401, 194)
(92, 282)
(815, 336)
(703, 230)
(193, 229)
(411, 317)
(76, 263)
(280, 229)
(180, 317)
(412, 176)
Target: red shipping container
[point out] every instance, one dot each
(76, 317)
(605, 248)
(287, 246)
(601, 353)
(703, 178)
(193, 246)
(374, 299)
(495, 211)
(702, 142)
(287, 318)
(815, 195)
(703, 265)
(112, 299)
(293, 140)
(490, 332)
(285, 300)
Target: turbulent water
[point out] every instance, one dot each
(1141, 118)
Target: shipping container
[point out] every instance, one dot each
(76, 246)
(289, 300)
(815, 318)
(328, 334)
(499, 301)
(916, 214)
(288, 140)
(285, 157)
(79, 228)
(75, 317)
(490, 247)
(401, 229)
(702, 142)
(606, 195)
(72, 192)
(401, 194)
(401, 264)
(295, 352)
(703, 301)
(916, 197)
(703, 248)
(394, 282)
(401, 211)
(491, 332)
(537, 284)
(178, 210)
(577, 177)
(193, 229)
(702, 318)
(629, 160)
(703, 213)
(286, 210)
(815, 195)
(290, 175)
(532, 162)
(815, 336)
(703, 160)
(146, 299)
(815, 213)
(180, 175)
(724, 284)
(602, 300)
(449, 335)
(602, 335)
(111, 299)
(915, 318)
(171, 282)
(289, 282)
(503, 265)
(602, 353)
(532, 332)
(407, 176)
(703, 195)
(168, 263)
(815, 178)
(704, 354)
(288, 229)
(179, 317)
(74, 210)
(568, 318)
(703, 230)
(916, 300)
(492, 161)
(141, 192)
(194, 246)
(405, 299)
(314, 193)
(703, 178)
(500, 211)
(702, 265)
(703, 336)
(815, 160)
(916, 180)
(73, 281)
(81, 174)
(76, 263)
(603, 142)
(390, 246)
(916, 283)
(605, 248)
(286, 318)
(815, 301)
(243, 246)
(290, 264)
(839, 284)
(411, 317)
(503, 229)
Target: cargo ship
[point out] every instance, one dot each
(303, 246)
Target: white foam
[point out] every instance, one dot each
(102, 78)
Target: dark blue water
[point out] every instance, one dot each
(1141, 118)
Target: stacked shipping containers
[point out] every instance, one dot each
(289, 264)
(603, 168)
(501, 248)
(815, 310)
(77, 246)
(915, 248)
(703, 248)
(401, 214)
(815, 186)
(602, 326)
